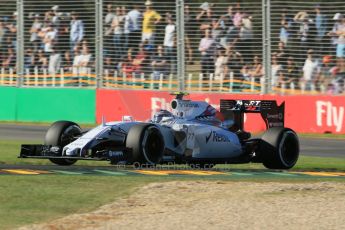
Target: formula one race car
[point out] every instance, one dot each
(193, 133)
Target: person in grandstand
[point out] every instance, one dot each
(9, 59)
(228, 18)
(217, 32)
(321, 28)
(339, 34)
(282, 53)
(108, 37)
(126, 31)
(63, 40)
(2, 33)
(207, 49)
(235, 63)
(311, 71)
(160, 64)
(246, 37)
(55, 20)
(205, 18)
(253, 71)
(289, 75)
(42, 61)
(232, 35)
(332, 34)
(29, 59)
(49, 35)
(150, 19)
(328, 74)
(238, 15)
(117, 25)
(275, 68)
(305, 33)
(3, 39)
(140, 61)
(284, 33)
(169, 42)
(76, 30)
(11, 34)
(135, 20)
(126, 64)
(34, 30)
(85, 60)
(108, 20)
(76, 62)
(54, 62)
(340, 50)
(67, 61)
(221, 68)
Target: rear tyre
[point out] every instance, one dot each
(279, 148)
(146, 143)
(61, 133)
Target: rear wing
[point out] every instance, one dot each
(271, 113)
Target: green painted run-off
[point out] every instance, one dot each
(47, 104)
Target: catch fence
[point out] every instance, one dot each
(213, 46)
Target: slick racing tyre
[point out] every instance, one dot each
(61, 133)
(279, 148)
(146, 143)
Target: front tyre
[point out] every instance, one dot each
(279, 148)
(146, 143)
(61, 133)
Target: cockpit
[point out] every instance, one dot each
(162, 115)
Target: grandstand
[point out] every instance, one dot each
(293, 47)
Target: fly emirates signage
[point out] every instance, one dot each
(329, 115)
(307, 114)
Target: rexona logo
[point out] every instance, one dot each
(333, 116)
(216, 137)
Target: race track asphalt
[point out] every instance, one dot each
(322, 147)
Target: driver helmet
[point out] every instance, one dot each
(162, 113)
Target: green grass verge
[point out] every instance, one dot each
(33, 199)
(37, 199)
(323, 135)
(83, 125)
(40, 198)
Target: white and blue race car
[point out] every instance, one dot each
(192, 133)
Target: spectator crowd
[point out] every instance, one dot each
(307, 53)
(54, 41)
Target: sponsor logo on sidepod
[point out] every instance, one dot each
(216, 137)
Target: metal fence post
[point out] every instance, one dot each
(99, 43)
(266, 48)
(20, 42)
(180, 45)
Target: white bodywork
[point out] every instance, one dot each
(205, 135)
